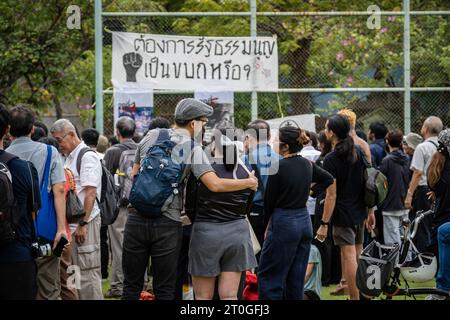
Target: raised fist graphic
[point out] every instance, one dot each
(132, 62)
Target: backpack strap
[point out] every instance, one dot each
(361, 154)
(36, 201)
(252, 194)
(7, 157)
(44, 182)
(432, 142)
(163, 135)
(80, 157)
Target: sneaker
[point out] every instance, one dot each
(435, 297)
(112, 294)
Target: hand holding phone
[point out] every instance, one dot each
(60, 247)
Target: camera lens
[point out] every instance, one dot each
(46, 250)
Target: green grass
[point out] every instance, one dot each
(431, 284)
(326, 291)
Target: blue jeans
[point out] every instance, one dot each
(159, 239)
(443, 276)
(284, 256)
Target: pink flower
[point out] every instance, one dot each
(340, 56)
(85, 107)
(391, 18)
(345, 42)
(384, 30)
(349, 80)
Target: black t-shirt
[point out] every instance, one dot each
(290, 187)
(350, 209)
(222, 206)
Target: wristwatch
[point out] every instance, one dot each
(82, 223)
(323, 223)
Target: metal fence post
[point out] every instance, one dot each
(98, 66)
(407, 66)
(253, 31)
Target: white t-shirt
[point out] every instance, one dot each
(422, 157)
(90, 176)
(311, 154)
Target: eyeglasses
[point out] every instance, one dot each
(61, 139)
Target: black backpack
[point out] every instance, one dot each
(8, 218)
(108, 203)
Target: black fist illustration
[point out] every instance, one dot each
(132, 62)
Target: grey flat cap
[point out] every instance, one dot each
(189, 109)
(413, 140)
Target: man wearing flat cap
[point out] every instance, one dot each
(160, 238)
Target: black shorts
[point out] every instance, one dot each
(348, 236)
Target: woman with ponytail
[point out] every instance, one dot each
(439, 182)
(288, 237)
(344, 204)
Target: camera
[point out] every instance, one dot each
(40, 249)
(43, 248)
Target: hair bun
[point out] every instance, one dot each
(303, 138)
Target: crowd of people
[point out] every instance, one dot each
(287, 206)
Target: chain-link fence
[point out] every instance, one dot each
(320, 53)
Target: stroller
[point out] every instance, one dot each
(380, 266)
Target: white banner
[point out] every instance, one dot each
(135, 104)
(304, 121)
(195, 63)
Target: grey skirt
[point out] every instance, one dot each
(220, 247)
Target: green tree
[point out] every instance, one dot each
(42, 61)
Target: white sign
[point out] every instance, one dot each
(195, 63)
(304, 121)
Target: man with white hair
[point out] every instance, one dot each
(417, 198)
(88, 180)
(125, 129)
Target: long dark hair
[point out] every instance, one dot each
(293, 137)
(435, 168)
(327, 147)
(345, 148)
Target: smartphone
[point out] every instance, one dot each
(60, 247)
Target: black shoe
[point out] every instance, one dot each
(112, 294)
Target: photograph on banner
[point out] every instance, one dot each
(223, 106)
(135, 104)
(194, 62)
